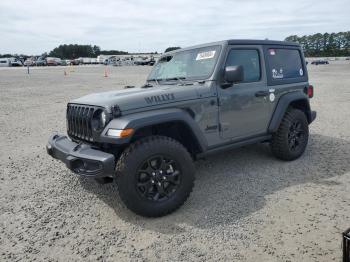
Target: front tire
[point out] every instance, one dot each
(291, 138)
(155, 176)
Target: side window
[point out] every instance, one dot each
(249, 59)
(285, 63)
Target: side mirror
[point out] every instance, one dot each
(234, 74)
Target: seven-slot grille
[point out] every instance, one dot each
(79, 121)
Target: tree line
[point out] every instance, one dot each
(323, 45)
(316, 45)
(75, 51)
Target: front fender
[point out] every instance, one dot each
(153, 117)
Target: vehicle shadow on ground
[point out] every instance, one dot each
(232, 185)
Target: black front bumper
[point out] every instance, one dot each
(82, 159)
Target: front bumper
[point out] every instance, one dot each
(82, 159)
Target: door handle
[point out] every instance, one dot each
(261, 93)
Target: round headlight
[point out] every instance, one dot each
(103, 119)
(99, 119)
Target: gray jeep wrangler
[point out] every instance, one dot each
(196, 101)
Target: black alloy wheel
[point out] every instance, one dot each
(296, 135)
(158, 178)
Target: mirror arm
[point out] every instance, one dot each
(225, 85)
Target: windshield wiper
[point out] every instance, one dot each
(146, 85)
(176, 78)
(155, 80)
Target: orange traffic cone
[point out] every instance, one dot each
(106, 72)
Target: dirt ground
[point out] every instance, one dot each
(246, 205)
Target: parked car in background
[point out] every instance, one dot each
(53, 61)
(29, 62)
(85, 60)
(141, 61)
(348, 58)
(145, 61)
(320, 62)
(41, 62)
(75, 62)
(5, 62)
(15, 61)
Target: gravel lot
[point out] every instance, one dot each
(246, 205)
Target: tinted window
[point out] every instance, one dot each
(285, 63)
(249, 59)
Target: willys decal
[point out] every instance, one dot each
(160, 98)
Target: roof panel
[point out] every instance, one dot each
(260, 42)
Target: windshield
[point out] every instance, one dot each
(196, 63)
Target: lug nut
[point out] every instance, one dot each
(161, 171)
(152, 181)
(159, 184)
(153, 174)
(164, 177)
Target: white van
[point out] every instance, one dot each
(15, 62)
(5, 62)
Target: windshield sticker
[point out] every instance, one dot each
(301, 72)
(277, 74)
(205, 55)
(272, 51)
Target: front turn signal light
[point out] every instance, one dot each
(120, 132)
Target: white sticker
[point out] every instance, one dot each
(272, 97)
(272, 51)
(277, 74)
(301, 72)
(205, 55)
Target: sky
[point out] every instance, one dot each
(34, 27)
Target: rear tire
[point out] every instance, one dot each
(155, 176)
(291, 138)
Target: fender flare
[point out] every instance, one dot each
(149, 118)
(282, 106)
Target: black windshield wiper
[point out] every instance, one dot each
(176, 78)
(146, 85)
(155, 80)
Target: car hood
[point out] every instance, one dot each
(133, 98)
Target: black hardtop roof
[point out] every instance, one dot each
(237, 42)
(259, 42)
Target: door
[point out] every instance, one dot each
(244, 107)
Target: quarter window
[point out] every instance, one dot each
(249, 59)
(285, 63)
